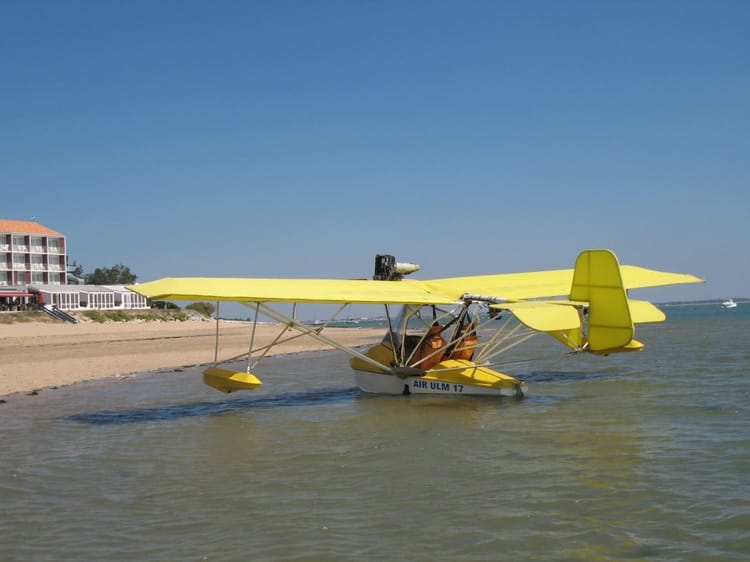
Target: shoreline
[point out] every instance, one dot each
(36, 356)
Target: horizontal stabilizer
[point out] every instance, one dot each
(640, 311)
(633, 345)
(543, 316)
(643, 311)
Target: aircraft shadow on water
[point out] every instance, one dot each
(198, 409)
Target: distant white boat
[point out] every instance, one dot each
(729, 304)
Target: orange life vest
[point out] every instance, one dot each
(467, 344)
(430, 348)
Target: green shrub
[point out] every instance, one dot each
(166, 305)
(26, 316)
(95, 316)
(204, 308)
(118, 316)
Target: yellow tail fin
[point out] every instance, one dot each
(597, 280)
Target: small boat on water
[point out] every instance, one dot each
(729, 304)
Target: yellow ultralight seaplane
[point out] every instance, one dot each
(432, 345)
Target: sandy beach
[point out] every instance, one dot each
(35, 356)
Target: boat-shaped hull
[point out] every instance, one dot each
(450, 377)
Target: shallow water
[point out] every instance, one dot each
(637, 456)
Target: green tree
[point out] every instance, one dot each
(75, 269)
(166, 305)
(205, 308)
(115, 275)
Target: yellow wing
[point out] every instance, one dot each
(552, 283)
(355, 291)
(510, 286)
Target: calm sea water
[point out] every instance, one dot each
(641, 456)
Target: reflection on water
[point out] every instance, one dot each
(641, 456)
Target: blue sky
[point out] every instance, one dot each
(300, 138)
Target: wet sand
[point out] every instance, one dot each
(35, 356)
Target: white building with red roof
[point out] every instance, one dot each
(33, 264)
(31, 253)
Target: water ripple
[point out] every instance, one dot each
(638, 456)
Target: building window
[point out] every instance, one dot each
(65, 301)
(19, 244)
(54, 245)
(37, 245)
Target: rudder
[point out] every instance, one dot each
(597, 280)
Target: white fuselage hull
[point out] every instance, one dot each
(380, 383)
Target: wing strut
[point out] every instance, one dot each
(252, 338)
(290, 322)
(227, 380)
(216, 339)
(501, 337)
